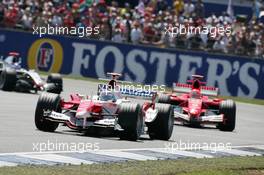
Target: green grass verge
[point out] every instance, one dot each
(246, 100)
(237, 99)
(218, 166)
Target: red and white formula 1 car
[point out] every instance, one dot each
(193, 106)
(107, 110)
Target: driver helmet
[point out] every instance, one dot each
(107, 96)
(15, 57)
(195, 94)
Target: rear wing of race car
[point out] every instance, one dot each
(118, 81)
(186, 88)
(127, 91)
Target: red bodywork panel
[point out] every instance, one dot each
(95, 107)
(89, 106)
(75, 101)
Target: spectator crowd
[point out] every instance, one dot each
(145, 23)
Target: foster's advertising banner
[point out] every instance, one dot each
(235, 76)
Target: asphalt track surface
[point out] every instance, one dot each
(18, 132)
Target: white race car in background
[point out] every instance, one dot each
(13, 77)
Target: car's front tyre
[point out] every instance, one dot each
(131, 120)
(162, 127)
(7, 78)
(56, 83)
(47, 102)
(228, 108)
(164, 98)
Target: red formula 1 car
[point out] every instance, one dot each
(106, 111)
(193, 105)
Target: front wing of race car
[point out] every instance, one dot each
(201, 119)
(82, 122)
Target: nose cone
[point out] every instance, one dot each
(195, 106)
(86, 108)
(194, 112)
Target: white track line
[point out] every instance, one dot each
(240, 152)
(2, 163)
(259, 147)
(129, 149)
(183, 153)
(126, 155)
(58, 158)
(252, 146)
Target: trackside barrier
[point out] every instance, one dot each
(235, 76)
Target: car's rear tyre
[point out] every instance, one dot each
(7, 78)
(57, 82)
(228, 108)
(47, 102)
(23, 86)
(131, 121)
(162, 127)
(164, 98)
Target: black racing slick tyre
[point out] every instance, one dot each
(7, 78)
(23, 86)
(47, 102)
(162, 127)
(131, 121)
(228, 108)
(164, 98)
(57, 83)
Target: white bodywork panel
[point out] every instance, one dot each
(107, 122)
(213, 118)
(58, 116)
(209, 118)
(83, 114)
(151, 115)
(34, 75)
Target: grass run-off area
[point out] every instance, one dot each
(214, 166)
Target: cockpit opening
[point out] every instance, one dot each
(195, 94)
